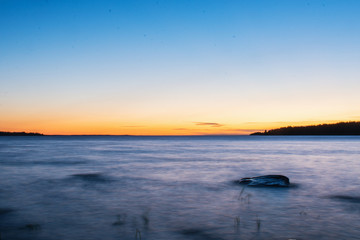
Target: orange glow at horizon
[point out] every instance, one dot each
(190, 128)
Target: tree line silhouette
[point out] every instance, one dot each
(19, 134)
(341, 128)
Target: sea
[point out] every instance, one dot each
(178, 187)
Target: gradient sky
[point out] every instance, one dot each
(177, 67)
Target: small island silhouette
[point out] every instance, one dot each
(20, 134)
(341, 128)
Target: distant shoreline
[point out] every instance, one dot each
(20, 134)
(336, 129)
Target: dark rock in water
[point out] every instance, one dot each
(353, 199)
(266, 181)
(194, 233)
(121, 220)
(31, 227)
(90, 177)
(5, 210)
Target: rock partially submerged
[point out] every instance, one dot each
(90, 177)
(266, 181)
(352, 199)
(5, 211)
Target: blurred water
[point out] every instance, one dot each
(93, 187)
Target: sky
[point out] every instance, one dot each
(171, 67)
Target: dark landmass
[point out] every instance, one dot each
(341, 128)
(19, 134)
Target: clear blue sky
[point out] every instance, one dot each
(131, 66)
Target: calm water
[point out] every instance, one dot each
(178, 188)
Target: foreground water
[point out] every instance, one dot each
(178, 188)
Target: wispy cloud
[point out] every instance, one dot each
(211, 124)
(180, 129)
